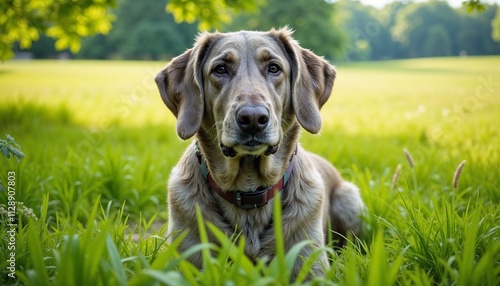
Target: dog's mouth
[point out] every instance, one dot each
(251, 147)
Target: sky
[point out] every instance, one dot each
(453, 3)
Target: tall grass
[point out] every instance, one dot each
(91, 191)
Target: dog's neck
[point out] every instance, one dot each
(247, 173)
(245, 199)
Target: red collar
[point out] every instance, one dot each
(245, 200)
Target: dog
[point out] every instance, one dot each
(245, 97)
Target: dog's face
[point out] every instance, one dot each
(247, 89)
(246, 80)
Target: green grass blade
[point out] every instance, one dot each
(351, 269)
(39, 276)
(378, 262)
(279, 260)
(115, 260)
(210, 273)
(228, 244)
(308, 263)
(168, 278)
(161, 262)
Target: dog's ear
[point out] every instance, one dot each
(312, 81)
(181, 87)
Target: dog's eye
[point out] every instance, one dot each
(220, 69)
(274, 68)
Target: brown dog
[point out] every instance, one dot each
(245, 96)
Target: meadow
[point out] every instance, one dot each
(90, 194)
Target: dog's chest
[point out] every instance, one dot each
(256, 225)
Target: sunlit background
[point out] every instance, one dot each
(417, 80)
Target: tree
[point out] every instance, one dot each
(22, 21)
(211, 14)
(145, 31)
(142, 30)
(368, 30)
(95, 47)
(495, 26)
(356, 20)
(437, 43)
(411, 27)
(476, 32)
(385, 46)
(150, 41)
(312, 20)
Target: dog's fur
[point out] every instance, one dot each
(205, 88)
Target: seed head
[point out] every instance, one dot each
(409, 157)
(395, 177)
(456, 175)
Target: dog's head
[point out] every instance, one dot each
(247, 89)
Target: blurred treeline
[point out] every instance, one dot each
(342, 30)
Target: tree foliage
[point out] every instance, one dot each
(144, 30)
(474, 5)
(423, 29)
(495, 26)
(22, 22)
(210, 14)
(368, 31)
(314, 23)
(341, 29)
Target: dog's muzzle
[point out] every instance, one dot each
(251, 121)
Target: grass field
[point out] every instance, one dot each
(100, 144)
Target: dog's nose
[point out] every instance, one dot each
(252, 119)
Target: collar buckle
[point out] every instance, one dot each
(251, 200)
(237, 199)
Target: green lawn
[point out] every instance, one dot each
(100, 144)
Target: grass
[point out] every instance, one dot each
(99, 146)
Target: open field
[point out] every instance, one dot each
(100, 143)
